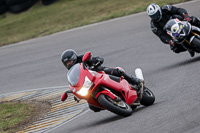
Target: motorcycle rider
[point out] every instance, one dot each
(69, 58)
(160, 16)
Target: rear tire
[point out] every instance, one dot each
(14, 2)
(22, 6)
(48, 2)
(113, 106)
(3, 9)
(148, 98)
(2, 2)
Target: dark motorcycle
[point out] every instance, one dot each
(183, 33)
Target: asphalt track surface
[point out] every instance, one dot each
(126, 42)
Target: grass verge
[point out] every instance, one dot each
(66, 14)
(14, 116)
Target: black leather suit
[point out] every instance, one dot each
(112, 71)
(168, 12)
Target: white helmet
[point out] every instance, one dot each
(154, 11)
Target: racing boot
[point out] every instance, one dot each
(131, 79)
(191, 52)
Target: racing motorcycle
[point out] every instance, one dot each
(103, 91)
(183, 33)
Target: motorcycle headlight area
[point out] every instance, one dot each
(86, 86)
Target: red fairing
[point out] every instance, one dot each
(123, 87)
(110, 87)
(108, 93)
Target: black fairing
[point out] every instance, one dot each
(178, 30)
(186, 29)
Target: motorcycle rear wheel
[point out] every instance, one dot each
(196, 43)
(118, 107)
(148, 98)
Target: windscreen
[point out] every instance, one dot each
(73, 75)
(174, 28)
(169, 25)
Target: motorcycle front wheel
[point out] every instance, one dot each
(118, 107)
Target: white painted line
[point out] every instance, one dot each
(68, 120)
(60, 87)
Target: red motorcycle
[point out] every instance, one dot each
(103, 91)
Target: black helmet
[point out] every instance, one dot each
(69, 58)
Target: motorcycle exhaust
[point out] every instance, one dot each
(138, 73)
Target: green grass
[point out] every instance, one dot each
(66, 14)
(11, 114)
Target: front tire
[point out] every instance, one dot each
(148, 98)
(95, 109)
(118, 107)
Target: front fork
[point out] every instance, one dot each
(107, 92)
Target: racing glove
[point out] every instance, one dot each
(188, 18)
(171, 43)
(98, 61)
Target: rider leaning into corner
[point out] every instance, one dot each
(69, 58)
(161, 15)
